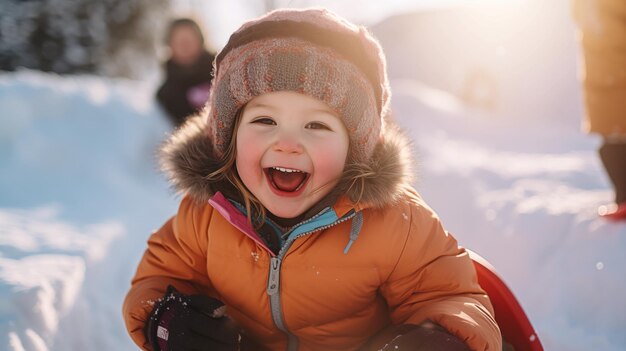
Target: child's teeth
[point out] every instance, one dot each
(286, 170)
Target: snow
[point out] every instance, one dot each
(80, 193)
(532, 214)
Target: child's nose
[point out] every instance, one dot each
(288, 144)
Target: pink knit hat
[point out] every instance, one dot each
(313, 52)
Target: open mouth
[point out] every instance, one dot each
(286, 180)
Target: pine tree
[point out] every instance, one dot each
(77, 36)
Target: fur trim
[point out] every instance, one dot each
(187, 158)
(385, 177)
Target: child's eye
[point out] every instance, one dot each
(264, 120)
(317, 125)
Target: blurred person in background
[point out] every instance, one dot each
(188, 70)
(602, 33)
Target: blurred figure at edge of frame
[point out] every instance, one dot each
(602, 33)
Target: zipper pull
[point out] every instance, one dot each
(273, 281)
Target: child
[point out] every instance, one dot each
(188, 71)
(298, 216)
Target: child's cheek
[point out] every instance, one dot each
(330, 159)
(247, 141)
(248, 157)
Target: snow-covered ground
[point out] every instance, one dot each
(80, 193)
(524, 195)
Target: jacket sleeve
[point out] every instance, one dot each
(176, 255)
(434, 279)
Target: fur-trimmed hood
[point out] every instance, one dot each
(187, 158)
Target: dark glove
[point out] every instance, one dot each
(190, 322)
(425, 337)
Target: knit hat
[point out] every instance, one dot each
(313, 52)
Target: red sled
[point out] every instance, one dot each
(514, 323)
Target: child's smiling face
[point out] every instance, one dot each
(291, 151)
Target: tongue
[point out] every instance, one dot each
(287, 181)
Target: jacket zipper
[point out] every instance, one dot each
(273, 285)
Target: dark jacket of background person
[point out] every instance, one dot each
(176, 94)
(188, 70)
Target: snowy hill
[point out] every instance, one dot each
(532, 214)
(79, 193)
